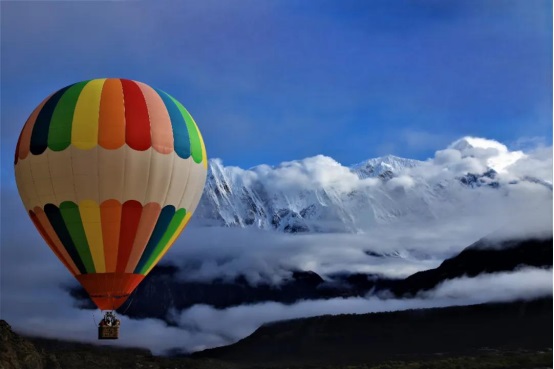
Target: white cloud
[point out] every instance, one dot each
(310, 173)
(402, 182)
(489, 152)
(538, 164)
(207, 253)
(526, 283)
(447, 156)
(471, 145)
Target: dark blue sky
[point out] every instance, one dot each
(270, 81)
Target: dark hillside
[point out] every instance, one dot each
(497, 336)
(404, 335)
(481, 257)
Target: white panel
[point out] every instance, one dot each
(111, 173)
(40, 172)
(85, 173)
(61, 171)
(160, 176)
(179, 178)
(137, 171)
(99, 174)
(199, 187)
(195, 187)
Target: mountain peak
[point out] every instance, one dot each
(469, 142)
(384, 165)
(494, 154)
(388, 159)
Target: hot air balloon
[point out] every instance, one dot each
(110, 172)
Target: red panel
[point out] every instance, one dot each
(130, 217)
(137, 122)
(109, 290)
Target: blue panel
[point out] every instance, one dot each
(181, 139)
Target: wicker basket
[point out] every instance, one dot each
(108, 333)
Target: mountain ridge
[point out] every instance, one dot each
(318, 194)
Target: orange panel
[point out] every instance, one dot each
(110, 215)
(71, 267)
(111, 121)
(44, 226)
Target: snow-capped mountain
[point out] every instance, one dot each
(319, 194)
(383, 167)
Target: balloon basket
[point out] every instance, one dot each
(108, 333)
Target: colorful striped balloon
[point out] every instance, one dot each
(110, 172)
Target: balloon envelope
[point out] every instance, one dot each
(110, 172)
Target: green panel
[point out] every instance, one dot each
(162, 244)
(74, 224)
(195, 143)
(59, 134)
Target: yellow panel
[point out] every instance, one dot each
(84, 131)
(90, 216)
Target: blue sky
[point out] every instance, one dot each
(277, 80)
(271, 81)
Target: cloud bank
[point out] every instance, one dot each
(35, 301)
(203, 326)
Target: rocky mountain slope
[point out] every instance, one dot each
(19, 353)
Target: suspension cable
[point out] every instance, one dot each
(132, 296)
